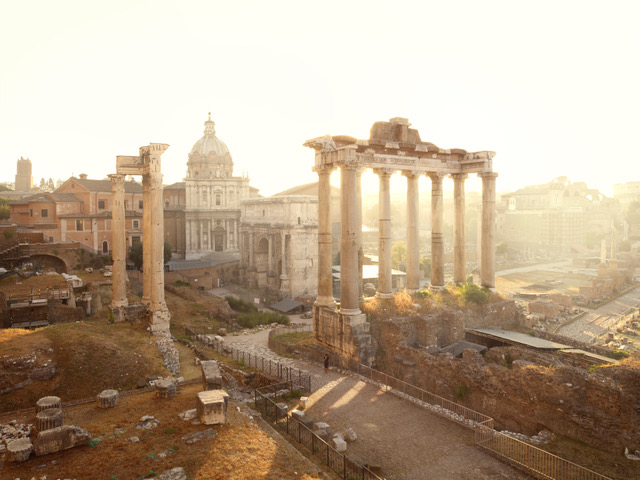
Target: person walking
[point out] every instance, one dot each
(326, 363)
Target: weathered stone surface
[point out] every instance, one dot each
(60, 438)
(48, 402)
(350, 435)
(212, 406)
(107, 398)
(19, 450)
(173, 474)
(321, 426)
(170, 356)
(48, 419)
(304, 402)
(166, 387)
(339, 444)
(211, 376)
(297, 414)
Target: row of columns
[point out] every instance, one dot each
(196, 229)
(351, 243)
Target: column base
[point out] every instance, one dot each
(436, 288)
(350, 311)
(384, 296)
(329, 302)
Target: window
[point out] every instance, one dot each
(30, 212)
(126, 204)
(44, 213)
(140, 204)
(136, 224)
(105, 248)
(79, 225)
(101, 205)
(218, 200)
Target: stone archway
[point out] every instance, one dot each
(48, 262)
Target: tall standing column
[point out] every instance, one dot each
(413, 252)
(384, 244)
(487, 247)
(349, 244)
(325, 238)
(437, 245)
(270, 253)
(284, 277)
(187, 232)
(157, 242)
(359, 230)
(459, 234)
(146, 239)
(118, 247)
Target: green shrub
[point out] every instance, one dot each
(473, 294)
(240, 305)
(253, 319)
(8, 234)
(462, 392)
(181, 283)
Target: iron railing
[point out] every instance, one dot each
(303, 436)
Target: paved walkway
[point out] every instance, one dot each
(408, 442)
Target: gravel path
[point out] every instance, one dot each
(407, 441)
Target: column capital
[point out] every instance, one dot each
(324, 168)
(386, 172)
(412, 173)
(488, 174)
(459, 176)
(117, 180)
(436, 176)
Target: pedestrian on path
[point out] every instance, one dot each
(326, 363)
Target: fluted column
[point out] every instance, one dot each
(349, 304)
(384, 243)
(325, 238)
(413, 252)
(118, 247)
(437, 245)
(459, 234)
(487, 246)
(146, 239)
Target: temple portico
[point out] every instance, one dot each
(392, 147)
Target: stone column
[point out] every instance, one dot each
(384, 248)
(270, 253)
(157, 244)
(349, 246)
(251, 271)
(325, 237)
(235, 234)
(487, 247)
(187, 231)
(459, 234)
(118, 247)
(437, 245)
(146, 238)
(284, 277)
(413, 251)
(359, 230)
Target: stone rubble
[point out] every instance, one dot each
(147, 422)
(173, 474)
(14, 430)
(197, 436)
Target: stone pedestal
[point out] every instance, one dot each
(19, 450)
(107, 398)
(166, 388)
(48, 419)
(212, 407)
(48, 402)
(60, 438)
(211, 376)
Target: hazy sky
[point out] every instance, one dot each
(552, 87)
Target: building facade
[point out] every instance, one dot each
(24, 176)
(213, 197)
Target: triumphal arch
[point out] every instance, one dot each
(147, 164)
(392, 147)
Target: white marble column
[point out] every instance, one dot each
(359, 231)
(488, 247)
(157, 242)
(187, 231)
(270, 253)
(437, 240)
(413, 251)
(349, 299)
(325, 238)
(118, 247)
(384, 245)
(459, 234)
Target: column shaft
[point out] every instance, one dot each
(459, 234)
(118, 246)
(325, 237)
(359, 231)
(437, 245)
(146, 239)
(384, 243)
(413, 252)
(270, 253)
(349, 246)
(487, 247)
(157, 243)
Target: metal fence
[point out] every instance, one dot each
(300, 378)
(535, 461)
(300, 433)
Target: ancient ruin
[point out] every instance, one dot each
(391, 147)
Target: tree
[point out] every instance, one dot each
(42, 183)
(399, 255)
(501, 248)
(425, 265)
(135, 253)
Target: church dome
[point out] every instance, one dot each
(209, 157)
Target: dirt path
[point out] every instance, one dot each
(408, 442)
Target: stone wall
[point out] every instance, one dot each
(348, 335)
(595, 408)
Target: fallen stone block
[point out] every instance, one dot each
(107, 398)
(166, 388)
(173, 474)
(298, 415)
(340, 444)
(60, 438)
(304, 402)
(350, 435)
(283, 406)
(212, 406)
(19, 450)
(211, 376)
(321, 426)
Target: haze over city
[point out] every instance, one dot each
(551, 87)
